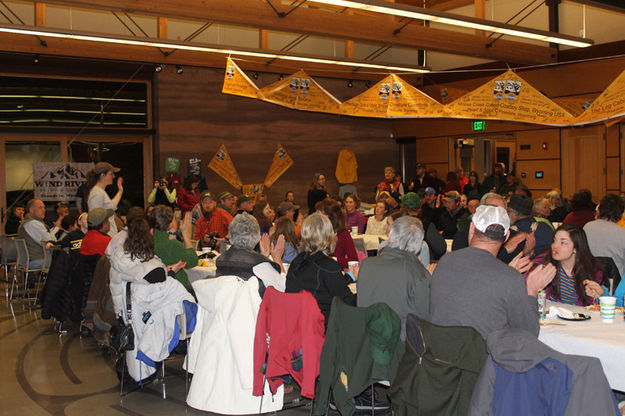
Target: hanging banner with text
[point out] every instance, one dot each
(301, 92)
(280, 163)
(222, 165)
(610, 104)
(59, 181)
(237, 83)
(509, 97)
(393, 97)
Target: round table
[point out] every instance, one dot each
(591, 338)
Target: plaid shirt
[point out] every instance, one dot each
(218, 221)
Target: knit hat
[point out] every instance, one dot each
(521, 204)
(487, 215)
(411, 200)
(97, 216)
(383, 327)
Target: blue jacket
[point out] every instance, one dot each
(523, 376)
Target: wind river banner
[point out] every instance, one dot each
(59, 181)
(222, 165)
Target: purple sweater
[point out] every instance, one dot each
(356, 219)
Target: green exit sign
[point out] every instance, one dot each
(479, 125)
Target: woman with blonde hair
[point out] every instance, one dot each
(314, 270)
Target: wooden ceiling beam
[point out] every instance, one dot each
(368, 27)
(14, 43)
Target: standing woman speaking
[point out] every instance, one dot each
(98, 179)
(317, 191)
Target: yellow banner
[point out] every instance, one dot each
(575, 105)
(509, 97)
(313, 97)
(223, 166)
(283, 92)
(371, 103)
(610, 104)
(280, 163)
(237, 83)
(253, 190)
(408, 101)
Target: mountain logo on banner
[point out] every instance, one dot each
(66, 172)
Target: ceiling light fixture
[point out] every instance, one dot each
(179, 69)
(412, 12)
(350, 83)
(159, 67)
(33, 31)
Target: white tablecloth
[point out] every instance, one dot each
(199, 273)
(364, 242)
(591, 338)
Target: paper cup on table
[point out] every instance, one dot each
(355, 230)
(607, 305)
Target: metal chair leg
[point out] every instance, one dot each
(372, 401)
(163, 381)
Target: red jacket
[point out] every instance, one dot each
(187, 200)
(289, 338)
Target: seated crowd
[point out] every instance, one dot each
(505, 247)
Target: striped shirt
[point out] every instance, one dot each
(568, 294)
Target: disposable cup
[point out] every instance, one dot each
(355, 230)
(607, 305)
(352, 263)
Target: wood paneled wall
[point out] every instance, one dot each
(195, 118)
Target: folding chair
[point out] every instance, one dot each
(22, 266)
(9, 259)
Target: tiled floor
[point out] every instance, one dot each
(44, 373)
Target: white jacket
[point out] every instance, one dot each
(123, 270)
(221, 351)
(153, 338)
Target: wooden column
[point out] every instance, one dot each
(263, 39)
(161, 30)
(40, 14)
(480, 13)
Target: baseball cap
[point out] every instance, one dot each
(284, 207)
(224, 195)
(103, 167)
(411, 200)
(97, 216)
(206, 194)
(430, 190)
(487, 215)
(243, 198)
(452, 196)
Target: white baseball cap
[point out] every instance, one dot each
(487, 215)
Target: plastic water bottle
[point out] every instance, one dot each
(542, 304)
